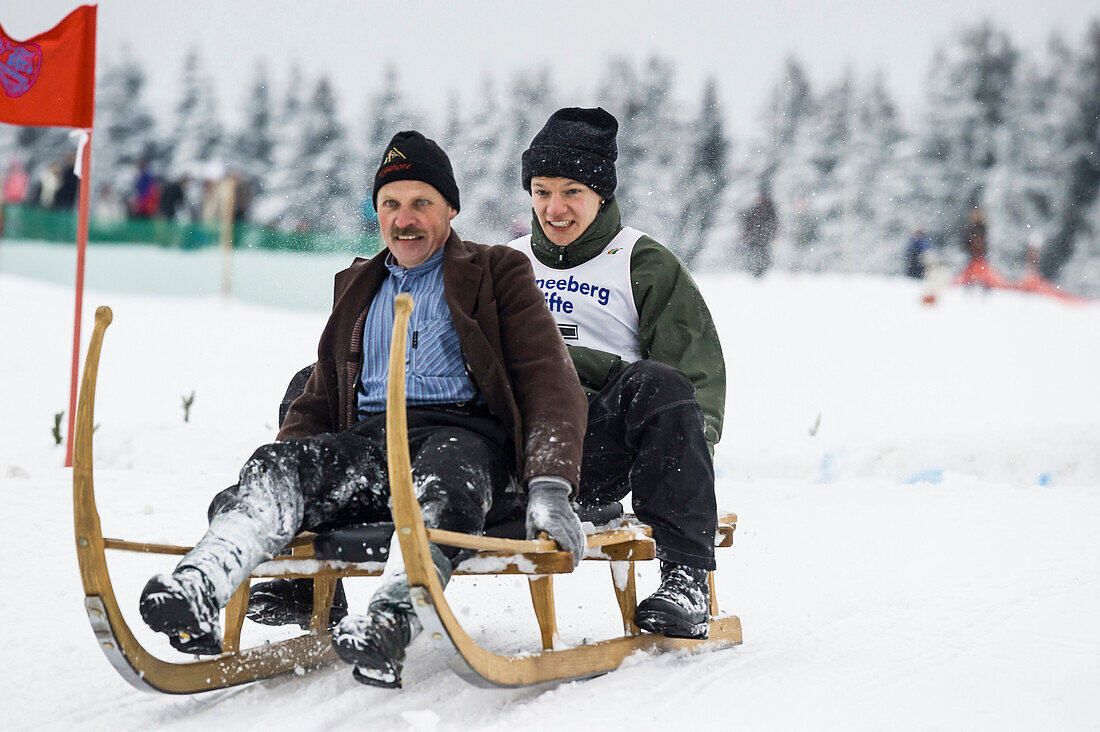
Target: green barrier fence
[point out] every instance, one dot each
(37, 224)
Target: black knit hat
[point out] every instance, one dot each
(575, 143)
(411, 156)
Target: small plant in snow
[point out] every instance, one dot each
(817, 423)
(187, 402)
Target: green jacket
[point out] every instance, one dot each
(675, 326)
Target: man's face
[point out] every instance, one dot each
(564, 207)
(415, 220)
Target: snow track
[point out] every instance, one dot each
(928, 559)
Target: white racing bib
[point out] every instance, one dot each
(593, 303)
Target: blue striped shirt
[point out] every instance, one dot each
(435, 370)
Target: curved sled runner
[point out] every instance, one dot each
(540, 559)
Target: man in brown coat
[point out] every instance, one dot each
(494, 407)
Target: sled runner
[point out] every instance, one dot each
(360, 551)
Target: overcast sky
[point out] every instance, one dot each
(450, 44)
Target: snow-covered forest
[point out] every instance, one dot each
(1010, 130)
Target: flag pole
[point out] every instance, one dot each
(81, 245)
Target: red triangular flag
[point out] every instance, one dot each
(49, 80)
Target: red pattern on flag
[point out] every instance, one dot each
(49, 80)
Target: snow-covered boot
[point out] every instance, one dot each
(182, 606)
(680, 606)
(375, 643)
(286, 601)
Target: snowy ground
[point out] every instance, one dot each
(927, 559)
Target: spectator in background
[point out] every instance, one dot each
(69, 190)
(208, 211)
(242, 195)
(978, 270)
(46, 185)
(974, 236)
(760, 224)
(14, 188)
(916, 253)
(172, 197)
(109, 208)
(16, 183)
(145, 201)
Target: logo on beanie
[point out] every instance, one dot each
(391, 155)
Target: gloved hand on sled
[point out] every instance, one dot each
(548, 510)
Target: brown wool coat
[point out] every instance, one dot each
(509, 340)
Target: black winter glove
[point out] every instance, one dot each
(548, 510)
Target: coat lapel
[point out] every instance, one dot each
(461, 280)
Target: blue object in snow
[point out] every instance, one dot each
(825, 468)
(931, 475)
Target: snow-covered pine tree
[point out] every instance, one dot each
(452, 126)
(197, 144)
(125, 130)
(790, 102)
(969, 89)
(253, 151)
(475, 159)
(324, 196)
(809, 161)
(271, 205)
(703, 183)
(1024, 184)
(652, 156)
(878, 211)
(388, 113)
(1074, 250)
(525, 110)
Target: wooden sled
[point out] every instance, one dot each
(540, 559)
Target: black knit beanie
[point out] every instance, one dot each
(411, 156)
(575, 143)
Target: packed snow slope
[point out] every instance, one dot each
(917, 490)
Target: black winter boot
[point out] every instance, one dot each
(680, 606)
(286, 601)
(182, 606)
(375, 643)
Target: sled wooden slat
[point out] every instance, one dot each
(300, 541)
(542, 598)
(489, 543)
(626, 596)
(144, 547)
(234, 619)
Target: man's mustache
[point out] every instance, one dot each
(407, 231)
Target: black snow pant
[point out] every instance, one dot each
(462, 468)
(645, 437)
